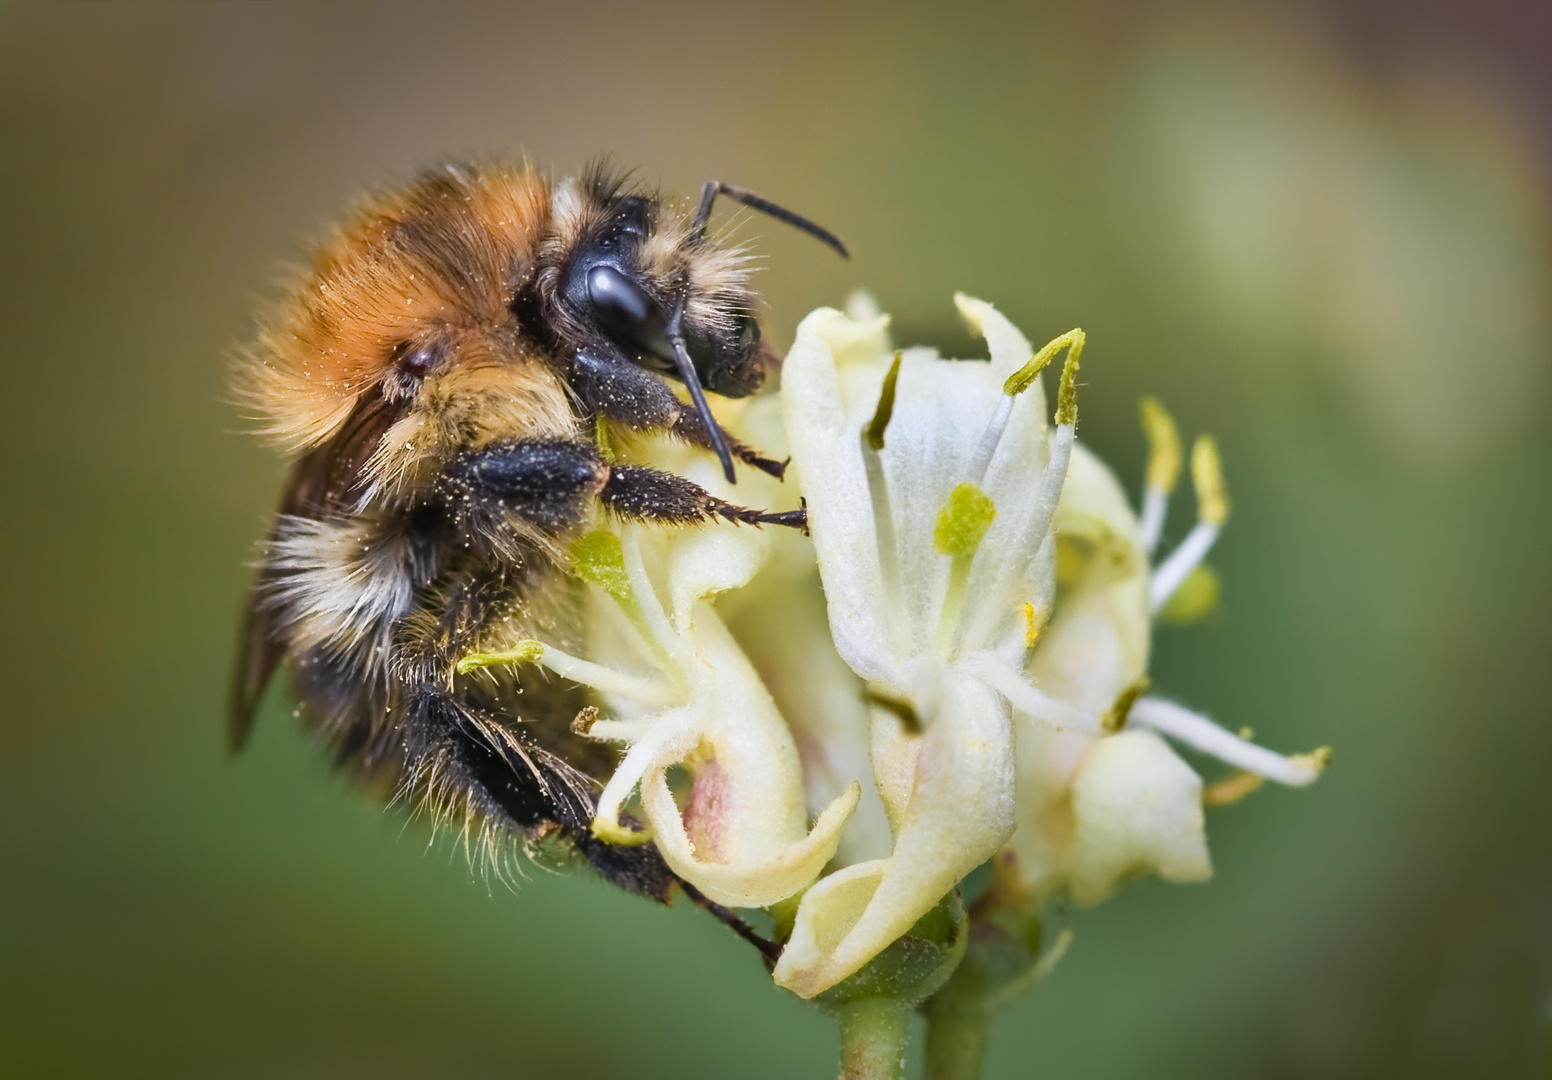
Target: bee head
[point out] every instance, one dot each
(624, 281)
(636, 279)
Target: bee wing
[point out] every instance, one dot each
(258, 655)
(322, 485)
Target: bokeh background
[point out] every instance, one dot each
(1319, 230)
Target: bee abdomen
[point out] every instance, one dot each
(466, 766)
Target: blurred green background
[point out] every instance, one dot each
(1319, 230)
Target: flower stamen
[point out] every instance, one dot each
(1012, 387)
(878, 489)
(1200, 733)
(1212, 511)
(1164, 461)
(604, 679)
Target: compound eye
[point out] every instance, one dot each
(626, 313)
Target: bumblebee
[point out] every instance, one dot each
(440, 370)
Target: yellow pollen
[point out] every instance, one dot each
(1021, 379)
(1164, 454)
(1034, 625)
(966, 515)
(1212, 500)
(1231, 789)
(524, 652)
(612, 832)
(1067, 392)
(1316, 759)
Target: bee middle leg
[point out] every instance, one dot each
(653, 495)
(622, 391)
(547, 483)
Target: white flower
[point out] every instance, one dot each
(931, 486)
(977, 654)
(1101, 796)
(679, 691)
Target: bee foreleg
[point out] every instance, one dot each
(622, 391)
(634, 491)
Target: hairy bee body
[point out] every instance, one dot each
(438, 371)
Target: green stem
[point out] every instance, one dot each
(957, 1031)
(873, 1035)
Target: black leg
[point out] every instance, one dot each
(651, 495)
(544, 484)
(625, 392)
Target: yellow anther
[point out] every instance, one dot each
(1316, 759)
(1231, 789)
(1196, 598)
(886, 406)
(1115, 717)
(1164, 455)
(1035, 620)
(962, 523)
(1021, 379)
(1067, 393)
(612, 832)
(1212, 501)
(525, 652)
(583, 722)
(1247, 733)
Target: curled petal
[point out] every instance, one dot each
(780, 623)
(746, 883)
(669, 738)
(828, 913)
(959, 813)
(1137, 809)
(742, 837)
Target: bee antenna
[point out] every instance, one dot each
(714, 188)
(675, 334)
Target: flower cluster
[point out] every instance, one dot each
(950, 670)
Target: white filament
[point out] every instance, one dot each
(1170, 573)
(1202, 734)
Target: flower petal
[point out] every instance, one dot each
(830, 386)
(742, 838)
(1097, 642)
(941, 409)
(959, 813)
(1010, 349)
(746, 883)
(780, 624)
(1137, 808)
